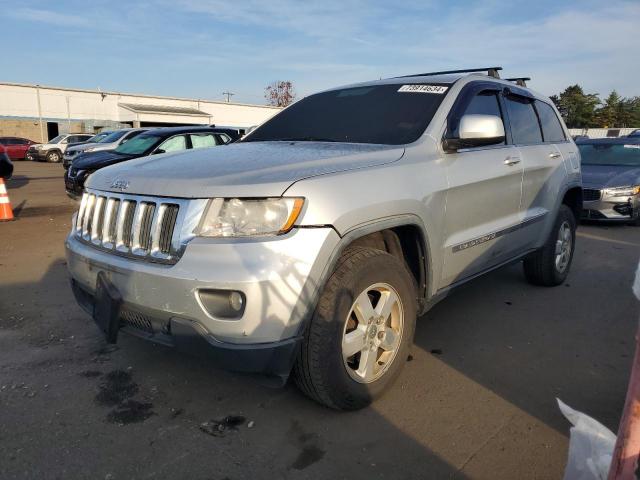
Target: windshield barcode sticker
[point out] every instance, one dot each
(439, 89)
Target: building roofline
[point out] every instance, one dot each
(142, 95)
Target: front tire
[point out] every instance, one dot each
(361, 331)
(550, 265)
(54, 157)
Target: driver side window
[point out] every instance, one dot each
(174, 144)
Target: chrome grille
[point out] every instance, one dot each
(150, 228)
(590, 194)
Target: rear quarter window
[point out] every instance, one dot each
(551, 127)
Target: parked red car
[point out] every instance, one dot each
(16, 147)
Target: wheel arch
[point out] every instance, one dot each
(402, 236)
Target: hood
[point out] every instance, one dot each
(99, 159)
(602, 176)
(250, 169)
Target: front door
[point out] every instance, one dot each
(483, 202)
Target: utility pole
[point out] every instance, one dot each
(229, 95)
(40, 114)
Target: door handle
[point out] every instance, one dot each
(554, 155)
(510, 161)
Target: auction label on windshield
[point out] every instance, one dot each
(439, 89)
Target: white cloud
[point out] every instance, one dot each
(48, 16)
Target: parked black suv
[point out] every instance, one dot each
(160, 140)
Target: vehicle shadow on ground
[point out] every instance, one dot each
(17, 181)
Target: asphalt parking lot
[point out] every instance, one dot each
(476, 399)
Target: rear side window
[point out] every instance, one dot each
(202, 140)
(524, 121)
(551, 128)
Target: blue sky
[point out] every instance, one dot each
(200, 48)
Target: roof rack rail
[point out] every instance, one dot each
(491, 71)
(520, 81)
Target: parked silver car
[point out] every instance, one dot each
(111, 141)
(312, 245)
(611, 177)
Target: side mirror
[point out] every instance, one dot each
(476, 131)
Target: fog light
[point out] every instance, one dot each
(225, 304)
(236, 301)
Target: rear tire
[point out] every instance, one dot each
(550, 265)
(332, 367)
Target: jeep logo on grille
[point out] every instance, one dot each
(119, 184)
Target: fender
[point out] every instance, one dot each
(360, 231)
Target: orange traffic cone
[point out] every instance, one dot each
(6, 212)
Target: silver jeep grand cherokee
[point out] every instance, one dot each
(310, 247)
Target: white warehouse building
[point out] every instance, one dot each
(41, 113)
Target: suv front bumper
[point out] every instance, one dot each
(280, 278)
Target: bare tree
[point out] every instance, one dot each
(280, 93)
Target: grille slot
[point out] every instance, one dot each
(132, 225)
(590, 194)
(136, 320)
(127, 226)
(145, 226)
(166, 228)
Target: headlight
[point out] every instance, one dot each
(622, 191)
(235, 217)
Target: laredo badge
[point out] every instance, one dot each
(439, 89)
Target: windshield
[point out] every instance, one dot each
(610, 154)
(382, 114)
(56, 139)
(139, 144)
(98, 137)
(113, 136)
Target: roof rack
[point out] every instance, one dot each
(491, 71)
(520, 81)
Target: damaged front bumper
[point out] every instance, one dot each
(278, 278)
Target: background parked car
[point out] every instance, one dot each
(151, 142)
(16, 147)
(108, 141)
(54, 149)
(611, 178)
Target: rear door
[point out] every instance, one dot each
(483, 200)
(544, 171)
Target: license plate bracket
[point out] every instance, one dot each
(106, 310)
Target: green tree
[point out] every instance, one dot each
(609, 114)
(576, 107)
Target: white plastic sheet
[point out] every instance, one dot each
(590, 446)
